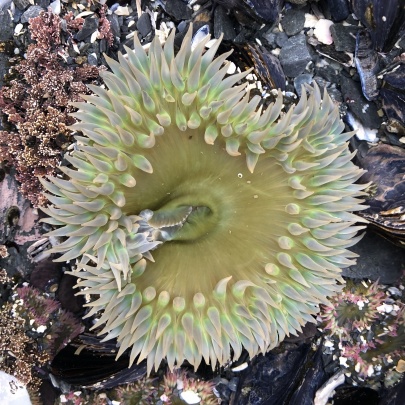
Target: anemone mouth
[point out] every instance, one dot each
(202, 224)
(231, 213)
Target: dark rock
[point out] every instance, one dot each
(293, 21)
(384, 19)
(103, 46)
(115, 24)
(336, 10)
(31, 12)
(6, 24)
(223, 24)
(344, 37)
(363, 110)
(17, 15)
(378, 260)
(270, 37)
(281, 39)
(22, 4)
(295, 56)
(368, 65)
(43, 3)
(90, 25)
(92, 59)
(300, 80)
(329, 73)
(144, 25)
(178, 9)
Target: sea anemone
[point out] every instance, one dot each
(367, 328)
(245, 211)
(354, 309)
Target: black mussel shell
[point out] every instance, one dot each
(261, 11)
(90, 363)
(385, 165)
(384, 19)
(393, 94)
(282, 377)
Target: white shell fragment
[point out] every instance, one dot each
(122, 10)
(55, 7)
(12, 391)
(310, 21)
(240, 367)
(190, 397)
(327, 389)
(322, 31)
(362, 133)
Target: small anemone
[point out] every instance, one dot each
(201, 223)
(354, 308)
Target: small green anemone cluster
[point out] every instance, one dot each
(202, 224)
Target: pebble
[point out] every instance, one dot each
(55, 7)
(178, 9)
(22, 4)
(6, 24)
(144, 25)
(32, 12)
(89, 27)
(304, 78)
(293, 21)
(344, 37)
(322, 31)
(295, 56)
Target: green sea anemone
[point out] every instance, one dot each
(245, 211)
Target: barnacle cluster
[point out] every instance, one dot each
(202, 224)
(367, 328)
(18, 352)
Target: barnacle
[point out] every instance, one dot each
(245, 211)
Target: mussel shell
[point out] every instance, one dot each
(288, 377)
(384, 19)
(88, 362)
(393, 94)
(262, 11)
(385, 165)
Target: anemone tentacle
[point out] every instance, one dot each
(201, 223)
